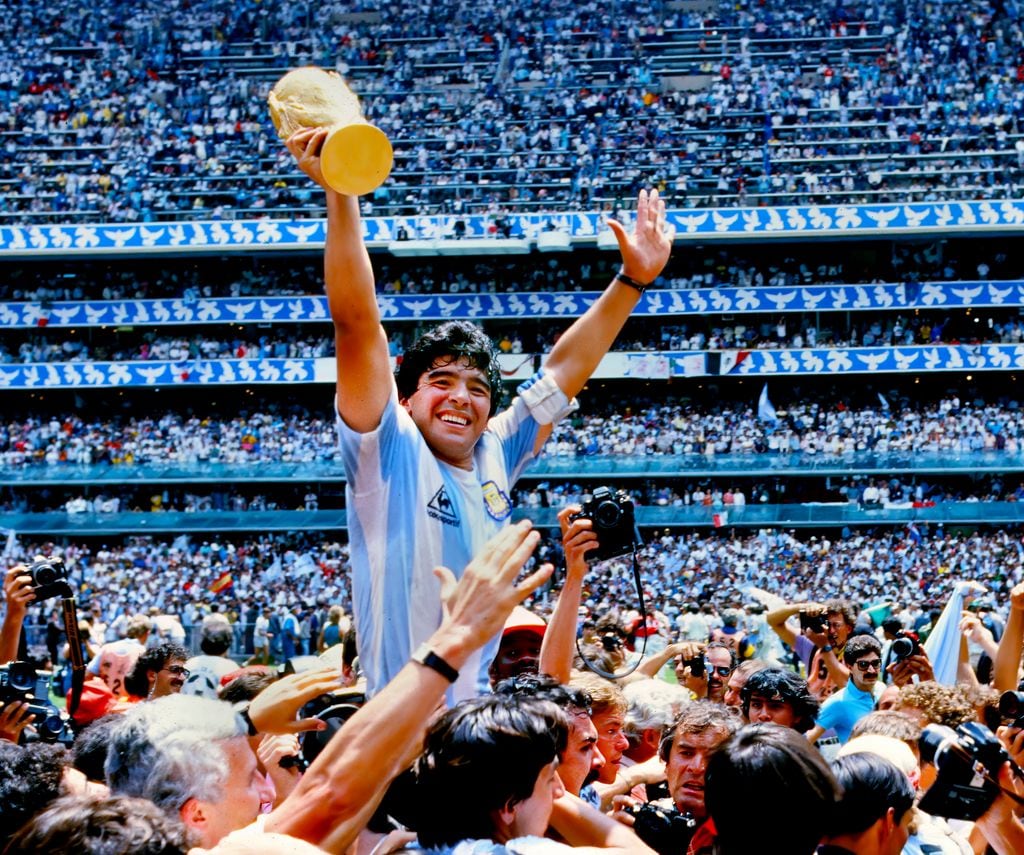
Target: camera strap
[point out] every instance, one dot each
(70, 615)
(643, 622)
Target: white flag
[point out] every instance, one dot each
(765, 410)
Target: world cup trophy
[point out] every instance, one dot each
(356, 157)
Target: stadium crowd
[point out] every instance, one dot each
(734, 268)
(673, 426)
(839, 700)
(757, 332)
(303, 572)
(558, 106)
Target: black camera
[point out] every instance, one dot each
(665, 830)
(611, 514)
(905, 645)
(49, 578)
(814, 621)
(696, 665)
(19, 683)
(968, 761)
(611, 641)
(1011, 708)
(334, 709)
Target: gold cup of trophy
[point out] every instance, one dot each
(356, 157)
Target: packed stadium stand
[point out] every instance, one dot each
(837, 338)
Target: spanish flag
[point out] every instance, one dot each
(222, 582)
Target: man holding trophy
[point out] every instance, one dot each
(429, 460)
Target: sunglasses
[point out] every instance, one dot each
(177, 670)
(869, 665)
(720, 670)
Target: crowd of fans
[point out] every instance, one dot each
(945, 261)
(302, 572)
(116, 114)
(806, 669)
(756, 332)
(673, 426)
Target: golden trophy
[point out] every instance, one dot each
(356, 157)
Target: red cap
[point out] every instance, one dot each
(523, 620)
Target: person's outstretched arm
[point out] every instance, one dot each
(361, 346)
(343, 785)
(1007, 661)
(559, 644)
(645, 253)
(18, 593)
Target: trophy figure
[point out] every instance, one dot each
(356, 157)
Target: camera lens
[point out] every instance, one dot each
(933, 739)
(21, 677)
(902, 648)
(1011, 704)
(607, 514)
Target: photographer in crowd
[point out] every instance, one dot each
(818, 641)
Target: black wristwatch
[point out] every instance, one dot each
(243, 710)
(429, 659)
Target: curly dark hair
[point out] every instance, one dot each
(154, 659)
(779, 683)
(546, 688)
(103, 825)
(450, 342)
(30, 778)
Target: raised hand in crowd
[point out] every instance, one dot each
(1006, 667)
(559, 644)
(18, 593)
(903, 672)
(14, 718)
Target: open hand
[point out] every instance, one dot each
(645, 252)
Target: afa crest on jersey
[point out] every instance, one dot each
(495, 501)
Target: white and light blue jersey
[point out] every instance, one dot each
(408, 512)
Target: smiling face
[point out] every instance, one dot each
(169, 679)
(718, 663)
(451, 406)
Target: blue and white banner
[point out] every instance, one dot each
(209, 372)
(616, 365)
(861, 360)
(694, 224)
(414, 307)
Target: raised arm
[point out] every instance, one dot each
(556, 651)
(778, 619)
(644, 254)
(331, 801)
(361, 346)
(1006, 665)
(18, 594)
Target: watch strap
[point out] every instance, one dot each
(429, 659)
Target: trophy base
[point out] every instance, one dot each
(356, 159)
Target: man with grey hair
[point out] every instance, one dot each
(190, 757)
(653, 706)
